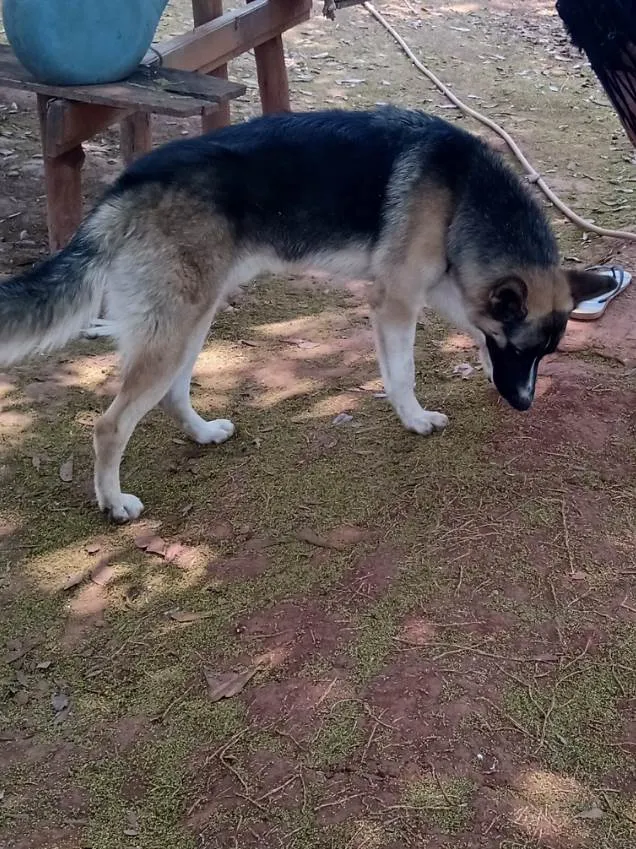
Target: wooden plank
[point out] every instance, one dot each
(188, 84)
(217, 42)
(63, 178)
(142, 93)
(135, 136)
(202, 12)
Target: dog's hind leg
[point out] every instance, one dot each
(394, 322)
(149, 371)
(176, 402)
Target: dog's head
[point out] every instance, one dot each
(524, 317)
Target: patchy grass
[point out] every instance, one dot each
(338, 737)
(442, 805)
(573, 718)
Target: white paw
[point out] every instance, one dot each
(425, 422)
(486, 362)
(214, 432)
(100, 327)
(128, 508)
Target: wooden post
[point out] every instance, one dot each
(135, 136)
(63, 176)
(271, 72)
(272, 76)
(202, 12)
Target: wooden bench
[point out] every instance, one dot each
(185, 75)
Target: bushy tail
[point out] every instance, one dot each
(51, 304)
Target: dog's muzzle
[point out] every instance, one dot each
(514, 374)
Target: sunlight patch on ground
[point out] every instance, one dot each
(548, 806)
(306, 324)
(328, 407)
(367, 835)
(461, 8)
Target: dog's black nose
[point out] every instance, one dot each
(521, 401)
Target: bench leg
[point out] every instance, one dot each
(135, 136)
(202, 12)
(221, 116)
(63, 178)
(272, 76)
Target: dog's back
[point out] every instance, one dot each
(303, 182)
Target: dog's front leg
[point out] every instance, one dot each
(394, 323)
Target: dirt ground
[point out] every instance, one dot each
(423, 643)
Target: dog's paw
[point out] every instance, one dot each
(425, 422)
(127, 509)
(486, 362)
(214, 432)
(99, 327)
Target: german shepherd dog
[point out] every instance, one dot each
(423, 210)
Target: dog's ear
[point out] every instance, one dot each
(507, 300)
(585, 285)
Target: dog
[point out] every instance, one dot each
(423, 210)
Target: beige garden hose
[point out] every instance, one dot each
(533, 175)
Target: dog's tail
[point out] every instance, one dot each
(51, 304)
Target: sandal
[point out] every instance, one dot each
(595, 307)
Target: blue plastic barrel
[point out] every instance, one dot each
(81, 42)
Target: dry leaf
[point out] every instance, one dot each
(173, 551)
(308, 536)
(228, 684)
(305, 344)
(186, 558)
(221, 531)
(261, 543)
(59, 702)
(143, 540)
(578, 576)
(21, 678)
(66, 471)
(464, 370)
(188, 616)
(157, 545)
(44, 664)
(102, 574)
(73, 580)
(61, 716)
(9, 736)
(594, 813)
(133, 828)
(37, 462)
(16, 649)
(21, 698)
(342, 418)
(93, 548)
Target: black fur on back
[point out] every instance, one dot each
(305, 181)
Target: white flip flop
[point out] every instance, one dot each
(595, 307)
